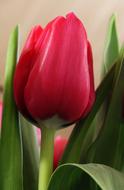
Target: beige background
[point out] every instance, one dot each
(94, 14)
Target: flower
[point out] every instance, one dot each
(59, 147)
(38, 133)
(54, 74)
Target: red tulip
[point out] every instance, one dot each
(59, 147)
(54, 74)
(38, 132)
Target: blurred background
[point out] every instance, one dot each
(94, 14)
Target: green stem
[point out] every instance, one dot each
(46, 157)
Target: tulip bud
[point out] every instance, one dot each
(38, 132)
(59, 147)
(54, 76)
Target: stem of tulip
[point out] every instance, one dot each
(46, 157)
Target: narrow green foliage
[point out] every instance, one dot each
(30, 155)
(111, 51)
(111, 54)
(11, 176)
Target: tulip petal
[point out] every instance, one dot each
(43, 86)
(92, 91)
(76, 86)
(23, 68)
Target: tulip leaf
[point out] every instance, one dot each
(30, 155)
(11, 174)
(79, 141)
(108, 148)
(111, 54)
(86, 176)
(111, 51)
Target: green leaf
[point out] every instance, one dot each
(79, 141)
(87, 176)
(111, 54)
(10, 145)
(30, 155)
(109, 148)
(111, 51)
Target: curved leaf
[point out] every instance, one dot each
(31, 155)
(86, 176)
(111, 51)
(111, 54)
(11, 174)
